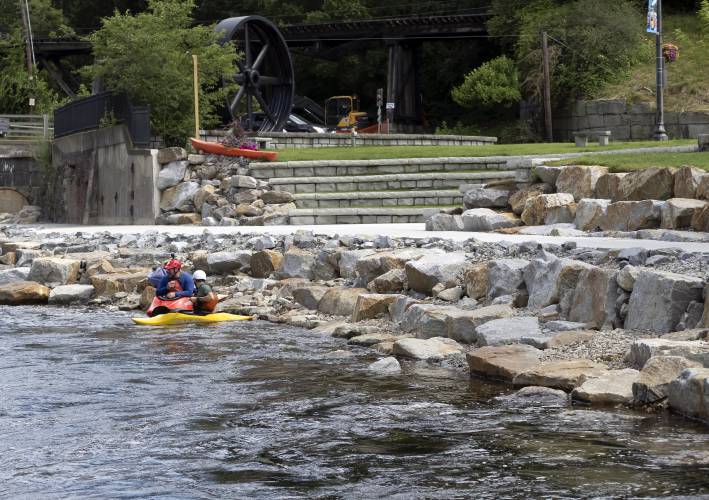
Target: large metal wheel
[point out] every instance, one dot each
(264, 73)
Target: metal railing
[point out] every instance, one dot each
(26, 127)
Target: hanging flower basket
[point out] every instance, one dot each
(670, 52)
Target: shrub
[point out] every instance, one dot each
(495, 83)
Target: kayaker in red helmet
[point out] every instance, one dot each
(177, 283)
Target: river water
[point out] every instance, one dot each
(94, 407)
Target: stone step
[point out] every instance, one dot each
(333, 168)
(390, 199)
(434, 180)
(372, 215)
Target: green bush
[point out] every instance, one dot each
(704, 17)
(494, 83)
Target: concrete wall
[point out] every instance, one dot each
(625, 121)
(20, 175)
(104, 180)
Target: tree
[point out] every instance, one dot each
(495, 83)
(149, 57)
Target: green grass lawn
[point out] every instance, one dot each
(634, 161)
(388, 152)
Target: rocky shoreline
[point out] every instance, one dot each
(626, 327)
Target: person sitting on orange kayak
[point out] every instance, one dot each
(177, 283)
(204, 300)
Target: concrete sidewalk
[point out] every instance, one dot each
(372, 230)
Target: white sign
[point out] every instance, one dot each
(31, 101)
(391, 105)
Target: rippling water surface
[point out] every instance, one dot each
(94, 407)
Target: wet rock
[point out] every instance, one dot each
(503, 362)
(632, 215)
(71, 294)
(277, 197)
(519, 198)
(594, 299)
(462, 325)
(657, 375)
(265, 262)
(172, 174)
(444, 222)
(549, 209)
(309, 296)
(612, 387)
(23, 293)
(484, 219)
(423, 274)
(659, 300)
(654, 183)
(608, 187)
(590, 213)
(580, 181)
(390, 282)
(688, 393)
(480, 197)
(14, 275)
(229, 262)
(677, 213)
(642, 350)
(566, 375)
(476, 281)
(514, 330)
(372, 305)
(167, 155)
(506, 276)
(537, 396)
(687, 180)
(340, 301)
(297, 263)
(54, 270)
(548, 175)
(432, 349)
(385, 366)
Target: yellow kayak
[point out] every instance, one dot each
(181, 318)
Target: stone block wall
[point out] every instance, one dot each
(626, 121)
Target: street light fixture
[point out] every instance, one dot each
(655, 11)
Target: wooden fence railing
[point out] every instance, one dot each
(26, 127)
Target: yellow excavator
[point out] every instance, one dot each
(342, 113)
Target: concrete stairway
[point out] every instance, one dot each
(379, 191)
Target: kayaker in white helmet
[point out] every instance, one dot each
(204, 299)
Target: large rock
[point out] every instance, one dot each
(484, 219)
(503, 362)
(580, 181)
(506, 276)
(547, 175)
(519, 198)
(590, 213)
(656, 376)
(309, 296)
(15, 274)
(514, 330)
(23, 293)
(659, 300)
(642, 350)
(476, 281)
(461, 325)
(348, 262)
(340, 301)
(426, 320)
(243, 182)
(433, 349)
(532, 396)
(229, 262)
(608, 187)
(277, 197)
(626, 277)
(689, 393)
(374, 265)
(654, 183)
(167, 155)
(540, 277)
(703, 188)
(444, 222)
(179, 195)
(567, 282)
(71, 294)
(549, 209)
(297, 263)
(372, 305)
(612, 387)
(700, 219)
(566, 375)
(687, 180)
(389, 282)
(632, 215)
(427, 272)
(265, 262)
(109, 284)
(595, 296)
(54, 270)
(677, 213)
(385, 366)
(480, 197)
(172, 174)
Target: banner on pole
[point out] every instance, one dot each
(652, 20)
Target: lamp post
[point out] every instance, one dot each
(660, 132)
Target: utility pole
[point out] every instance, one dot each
(660, 132)
(547, 88)
(28, 37)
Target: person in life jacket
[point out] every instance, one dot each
(204, 300)
(177, 283)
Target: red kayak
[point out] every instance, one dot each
(220, 149)
(164, 306)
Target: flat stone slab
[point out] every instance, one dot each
(514, 330)
(433, 349)
(566, 375)
(612, 387)
(503, 362)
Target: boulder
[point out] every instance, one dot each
(626, 277)
(656, 376)
(277, 197)
(536, 396)
(612, 387)
(229, 262)
(168, 155)
(172, 174)
(643, 349)
(296, 263)
(519, 198)
(513, 330)
(549, 209)
(389, 282)
(54, 270)
(506, 276)
(370, 339)
(375, 264)
(547, 175)
(451, 294)
(110, 284)
(594, 299)
(659, 300)
(15, 274)
(678, 213)
(654, 183)
(540, 278)
(340, 301)
(580, 181)
(184, 219)
(703, 188)
(385, 366)
(423, 274)
(243, 181)
(476, 281)
(398, 308)
(462, 325)
(566, 375)
(590, 213)
(179, 195)
(246, 210)
(444, 222)
(687, 180)
(503, 362)
(608, 187)
(348, 262)
(433, 349)
(700, 219)
(23, 293)
(309, 296)
(146, 297)
(484, 219)
(426, 320)
(372, 305)
(71, 294)
(265, 262)
(689, 395)
(480, 197)
(632, 215)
